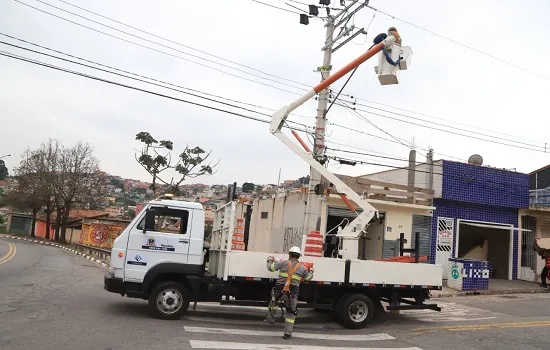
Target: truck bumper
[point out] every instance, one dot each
(113, 284)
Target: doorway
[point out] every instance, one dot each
(487, 241)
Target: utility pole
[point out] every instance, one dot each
(316, 183)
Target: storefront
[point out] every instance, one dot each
(477, 217)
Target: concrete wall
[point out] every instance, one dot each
(401, 177)
(283, 226)
(398, 218)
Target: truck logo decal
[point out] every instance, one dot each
(150, 244)
(138, 260)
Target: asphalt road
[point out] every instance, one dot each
(52, 299)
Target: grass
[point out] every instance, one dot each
(2, 228)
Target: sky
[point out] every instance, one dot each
(447, 83)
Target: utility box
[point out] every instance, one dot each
(468, 275)
(387, 73)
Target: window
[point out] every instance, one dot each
(166, 220)
(264, 214)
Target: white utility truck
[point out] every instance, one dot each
(161, 257)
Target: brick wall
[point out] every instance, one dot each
(475, 212)
(482, 185)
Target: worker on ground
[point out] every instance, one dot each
(544, 274)
(291, 272)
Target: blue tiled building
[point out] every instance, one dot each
(475, 203)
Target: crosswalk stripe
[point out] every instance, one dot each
(204, 344)
(229, 331)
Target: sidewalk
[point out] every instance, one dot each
(496, 286)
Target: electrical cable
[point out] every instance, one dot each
(25, 59)
(444, 125)
(131, 73)
(463, 177)
(160, 51)
(183, 45)
(443, 130)
(354, 112)
(280, 8)
(461, 44)
(224, 59)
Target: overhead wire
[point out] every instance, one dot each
(465, 177)
(461, 44)
(444, 125)
(111, 82)
(184, 45)
(443, 130)
(280, 8)
(144, 81)
(131, 73)
(163, 52)
(159, 44)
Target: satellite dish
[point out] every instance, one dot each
(475, 159)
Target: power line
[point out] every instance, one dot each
(43, 64)
(461, 44)
(385, 139)
(448, 126)
(224, 72)
(464, 177)
(157, 50)
(160, 44)
(443, 130)
(354, 112)
(280, 8)
(375, 11)
(142, 80)
(183, 45)
(127, 72)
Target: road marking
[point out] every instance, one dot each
(229, 331)
(11, 253)
(476, 327)
(204, 344)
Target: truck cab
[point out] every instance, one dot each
(166, 237)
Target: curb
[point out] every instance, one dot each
(68, 249)
(492, 292)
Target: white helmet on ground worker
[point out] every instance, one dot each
(295, 250)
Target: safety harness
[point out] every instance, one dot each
(291, 270)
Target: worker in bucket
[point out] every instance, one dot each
(392, 31)
(291, 272)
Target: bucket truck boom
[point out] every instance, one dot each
(351, 233)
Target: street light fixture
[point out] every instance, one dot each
(7, 155)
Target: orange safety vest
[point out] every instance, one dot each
(291, 271)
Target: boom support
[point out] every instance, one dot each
(351, 233)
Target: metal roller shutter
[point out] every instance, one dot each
(423, 225)
(390, 248)
(343, 212)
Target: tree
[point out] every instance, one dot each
(259, 188)
(131, 213)
(248, 187)
(3, 170)
(77, 181)
(150, 158)
(190, 162)
(29, 193)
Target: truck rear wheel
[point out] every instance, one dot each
(355, 311)
(168, 301)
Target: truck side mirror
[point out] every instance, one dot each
(149, 221)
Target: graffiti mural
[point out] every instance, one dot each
(292, 237)
(100, 234)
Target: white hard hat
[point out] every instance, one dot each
(295, 250)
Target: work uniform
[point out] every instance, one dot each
(291, 272)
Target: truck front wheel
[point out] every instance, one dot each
(168, 301)
(355, 311)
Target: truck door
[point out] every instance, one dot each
(161, 236)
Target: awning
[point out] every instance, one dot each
(500, 227)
